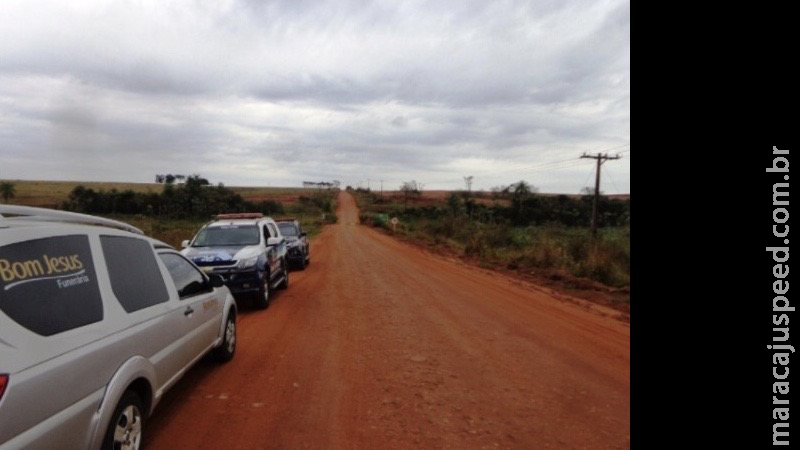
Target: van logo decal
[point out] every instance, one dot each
(79, 278)
(47, 267)
(67, 295)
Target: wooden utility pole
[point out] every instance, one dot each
(601, 158)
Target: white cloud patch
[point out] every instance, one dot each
(273, 93)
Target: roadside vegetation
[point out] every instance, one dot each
(173, 212)
(517, 229)
(7, 191)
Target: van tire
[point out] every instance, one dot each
(128, 417)
(227, 348)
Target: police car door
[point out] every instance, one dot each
(274, 251)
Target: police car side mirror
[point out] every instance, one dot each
(274, 241)
(185, 243)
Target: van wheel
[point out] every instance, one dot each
(125, 429)
(263, 298)
(227, 348)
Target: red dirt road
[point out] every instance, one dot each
(378, 345)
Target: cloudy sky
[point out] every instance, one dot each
(250, 92)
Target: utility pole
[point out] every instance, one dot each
(601, 158)
(381, 189)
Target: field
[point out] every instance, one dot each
(52, 194)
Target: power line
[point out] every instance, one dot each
(618, 146)
(536, 167)
(545, 165)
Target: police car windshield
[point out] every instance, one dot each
(223, 235)
(288, 229)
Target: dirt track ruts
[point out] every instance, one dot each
(378, 344)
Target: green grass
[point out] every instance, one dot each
(170, 231)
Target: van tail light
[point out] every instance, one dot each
(3, 384)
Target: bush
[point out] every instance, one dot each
(270, 207)
(331, 218)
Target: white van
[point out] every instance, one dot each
(97, 321)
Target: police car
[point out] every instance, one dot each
(247, 250)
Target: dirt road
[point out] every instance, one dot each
(378, 344)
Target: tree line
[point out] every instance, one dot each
(530, 208)
(194, 198)
(521, 205)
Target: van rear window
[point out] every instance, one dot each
(49, 285)
(135, 277)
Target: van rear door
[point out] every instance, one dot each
(51, 313)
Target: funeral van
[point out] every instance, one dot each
(97, 322)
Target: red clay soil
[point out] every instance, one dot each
(380, 345)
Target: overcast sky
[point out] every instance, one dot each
(277, 92)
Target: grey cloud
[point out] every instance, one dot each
(400, 122)
(311, 87)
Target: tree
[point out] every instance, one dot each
(7, 191)
(410, 189)
(195, 180)
(521, 189)
(454, 204)
(523, 204)
(468, 182)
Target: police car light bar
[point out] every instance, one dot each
(239, 216)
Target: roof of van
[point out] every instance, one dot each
(27, 216)
(50, 227)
